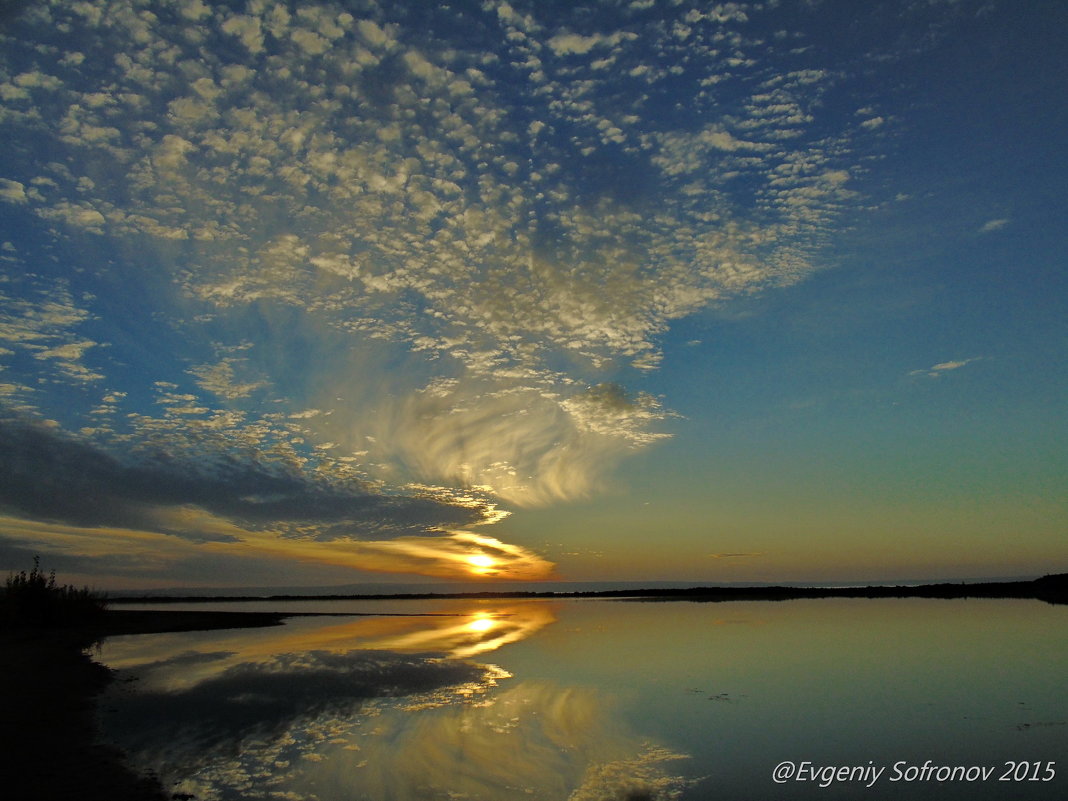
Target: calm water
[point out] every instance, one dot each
(593, 700)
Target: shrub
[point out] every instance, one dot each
(33, 599)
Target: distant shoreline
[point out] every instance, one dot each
(1051, 588)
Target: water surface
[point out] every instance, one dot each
(584, 700)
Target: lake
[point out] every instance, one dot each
(604, 700)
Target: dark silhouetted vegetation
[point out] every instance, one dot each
(36, 600)
(1052, 589)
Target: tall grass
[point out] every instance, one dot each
(35, 600)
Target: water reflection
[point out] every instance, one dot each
(536, 741)
(161, 663)
(458, 637)
(180, 726)
(601, 706)
(370, 708)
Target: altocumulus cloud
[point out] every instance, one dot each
(348, 275)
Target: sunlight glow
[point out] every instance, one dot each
(448, 556)
(482, 623)
(480, 563)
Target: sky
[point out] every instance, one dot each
(361, 292)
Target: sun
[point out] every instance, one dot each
(480, 563)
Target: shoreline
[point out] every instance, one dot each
(1051, 589)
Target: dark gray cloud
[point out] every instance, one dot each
(46, 475)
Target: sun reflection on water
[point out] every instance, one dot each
(455, 635)
(482, 623)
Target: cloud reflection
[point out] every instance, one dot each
(235, 735)
(535, 740)
(259, 699)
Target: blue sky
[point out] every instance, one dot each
(651, 290)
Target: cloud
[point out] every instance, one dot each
(47, 322)
(937, 370)
(735, 555)
(52, 477)
(221, 379)
(460, 236)
(77, 215)
(213, 551)
(686, 153)
(526, 445)
(247, 29)
(361, 190)
(462, 554)
(993, 225)
(12, 191)
(563, 44)
(85, 498)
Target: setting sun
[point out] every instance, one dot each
(480, 562)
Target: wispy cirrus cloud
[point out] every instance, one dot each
(993, 225)
(937, 370)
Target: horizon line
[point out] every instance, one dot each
(1055, 582)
